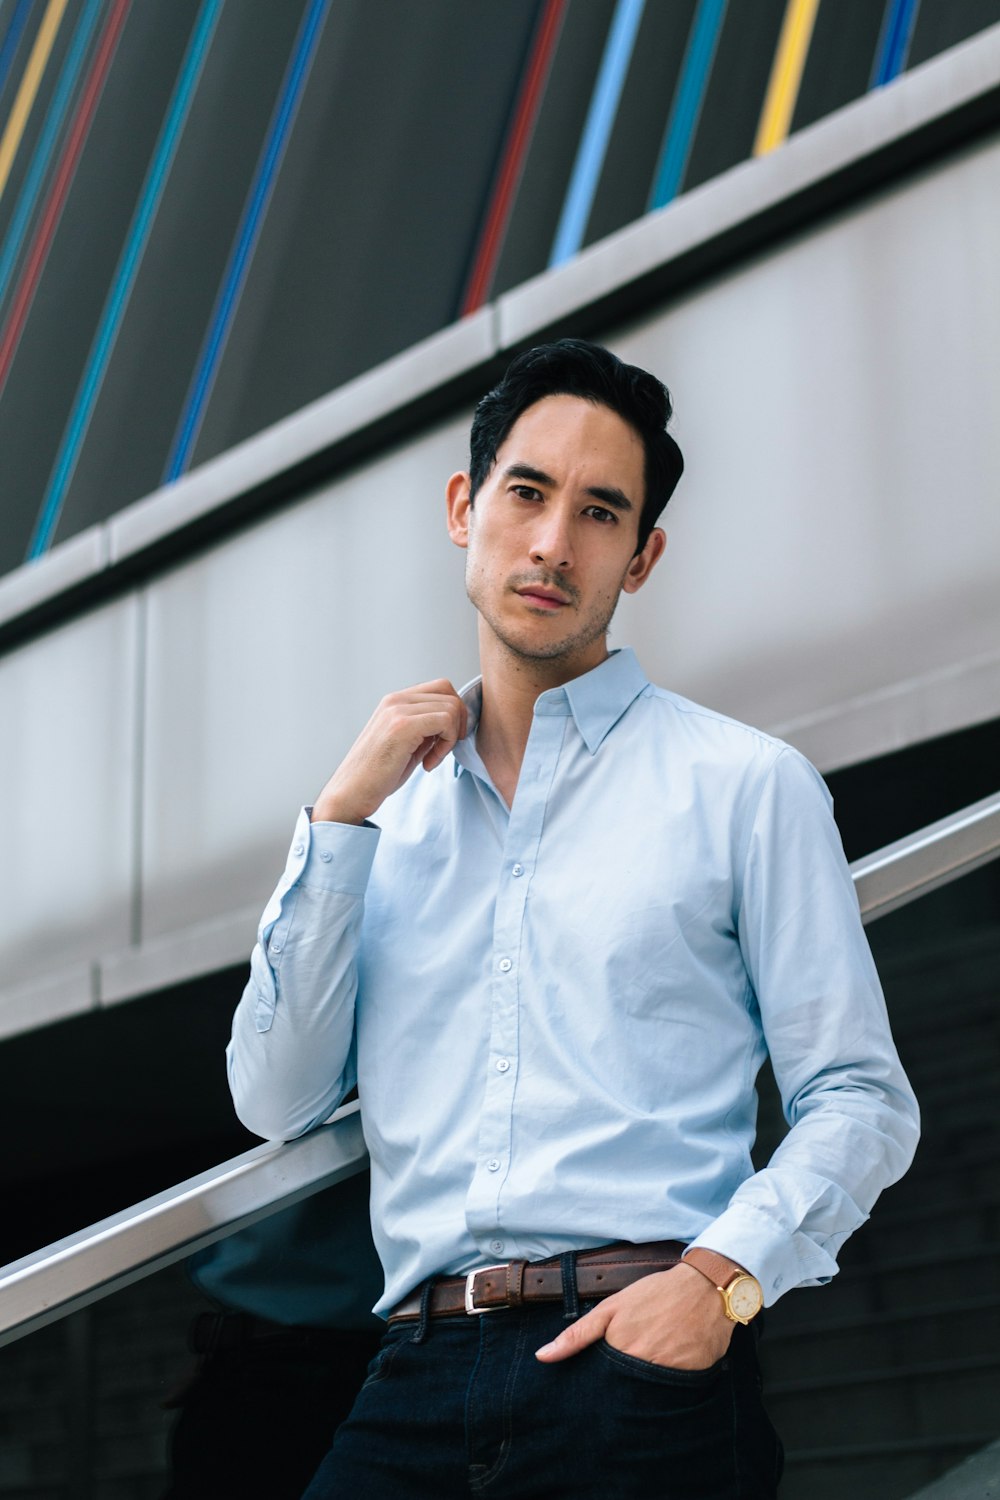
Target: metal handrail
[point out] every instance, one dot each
(89, 1265)
(931, 857)
(84, 1267)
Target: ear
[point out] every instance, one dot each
(457, 498)
(645, 561)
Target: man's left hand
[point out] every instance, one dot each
(673, 1318)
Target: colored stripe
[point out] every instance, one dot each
(786, 75)
(50, 131)
(597, 130)
(10, 41)
(44, 42)
(897, 31)
(59, 191)
(246, 241)
(128, 266)
(515, 150)
(697, 65)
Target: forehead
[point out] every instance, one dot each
(570, 435)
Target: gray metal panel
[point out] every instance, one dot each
(57, 572)
(683, 229)
(67, 770)
(267, 655)
(836, 533)
(893, 717)
(359, 404)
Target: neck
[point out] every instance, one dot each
(511, 685)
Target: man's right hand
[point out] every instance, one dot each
(418, 726)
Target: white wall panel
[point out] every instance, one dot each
(67, 733)
(266, 657)
(837, 531)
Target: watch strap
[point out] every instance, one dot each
(719, 1269)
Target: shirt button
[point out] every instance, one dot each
(502, 1064)
(517, 870)
(496, 1246)
(298, 849)
(325, 856)
(493, 1164)
(505, 965)
(275, 947)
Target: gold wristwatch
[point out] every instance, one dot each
(741, 1293)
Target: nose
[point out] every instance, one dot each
(551, 545)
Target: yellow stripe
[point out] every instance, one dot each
(786, 75)
(44, 42)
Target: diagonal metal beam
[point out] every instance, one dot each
(86, 1266)
(931, 857)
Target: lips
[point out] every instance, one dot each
(543, 598)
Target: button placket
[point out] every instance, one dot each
(523, 833)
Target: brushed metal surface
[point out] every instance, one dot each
(933, 856)
(91, 1264)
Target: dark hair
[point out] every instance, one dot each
(572, 367)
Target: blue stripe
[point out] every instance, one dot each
(64, 91)
(239, 261)
(597, 130)
(114, 308)
(896, 34)
(687, 102)
(10, 41)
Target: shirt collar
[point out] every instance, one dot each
(596, 701)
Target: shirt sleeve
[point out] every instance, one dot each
(853, 1116)
(291, 1057)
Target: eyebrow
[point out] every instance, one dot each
(610, 496)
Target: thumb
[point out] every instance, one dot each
(586, 1330)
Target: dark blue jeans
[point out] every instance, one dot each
(463, 1408)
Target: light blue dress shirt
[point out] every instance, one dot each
(557, 1013)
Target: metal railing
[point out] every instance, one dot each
(99, 1260)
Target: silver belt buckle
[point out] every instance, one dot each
(470, 1305)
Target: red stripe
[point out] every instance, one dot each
(515, 150)
(45, 233)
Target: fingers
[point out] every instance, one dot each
(586, 1330)
(419, 725)
(432, 707)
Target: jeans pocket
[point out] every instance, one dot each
(384, 1358)
(644, 1369)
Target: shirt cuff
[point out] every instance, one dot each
(332, 856)
(752, 1239)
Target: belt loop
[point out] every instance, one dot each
(424, 1321)
(515, 1282)
(570, 1291)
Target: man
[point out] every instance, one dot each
(556, 966)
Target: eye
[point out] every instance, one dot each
(526, 492)
(600, 513)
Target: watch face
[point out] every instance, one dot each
(745, 1297)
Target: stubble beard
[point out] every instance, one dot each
(534, 649)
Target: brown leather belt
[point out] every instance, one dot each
(610, 1268)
